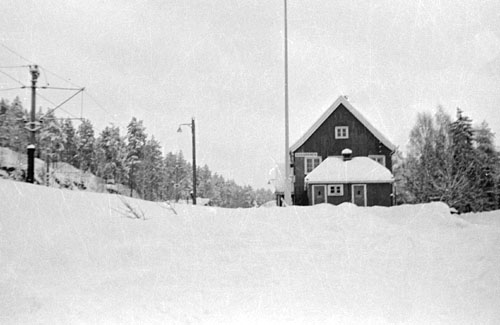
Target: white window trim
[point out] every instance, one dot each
(341, 192)
(352, 192)
(340, 136)
(311, 157)
(378, 156)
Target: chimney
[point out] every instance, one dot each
(347, 154)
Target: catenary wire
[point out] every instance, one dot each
(15, 53)
(11, 77)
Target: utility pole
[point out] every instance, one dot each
(32, 126)
(194, 161)
(193, 132)
(287, 193)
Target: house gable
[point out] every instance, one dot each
(340, 103)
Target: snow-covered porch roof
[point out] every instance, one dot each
(355, 170)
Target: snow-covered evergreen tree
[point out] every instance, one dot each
(12, 121)
(149, 172)
(86, 147)
(110, 156)
(204, 184)
(136, 140)
(70, 151)
(487, 177)
(51, 138)
(464, 162)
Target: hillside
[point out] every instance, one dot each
(79, 257)
(61, 174)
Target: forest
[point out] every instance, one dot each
(134, 159)
(451, 161)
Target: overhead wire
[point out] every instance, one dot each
(58, 88)
(72, 83)
(15, 53)
(6, 89)
(11, 77)
(51, 102)
(47, 71)
(14, 66)
(58, 76)
(97, 103)
(81, 106)
(64, 101)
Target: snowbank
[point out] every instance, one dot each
(78, 257)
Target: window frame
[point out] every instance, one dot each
(336, 193)
(311, 157)
(374, 157)
(339, 134)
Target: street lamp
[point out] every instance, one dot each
(191, 125)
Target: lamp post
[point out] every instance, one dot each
(191, 125)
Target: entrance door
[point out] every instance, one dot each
(359, 195)
(319, 194)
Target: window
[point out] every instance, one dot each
(336, 190)
(378, 158)
(341, 132)
(311, 163)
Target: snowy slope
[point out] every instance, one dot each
(62, 175)
(74, 257)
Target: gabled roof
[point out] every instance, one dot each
(342, 100)
(356, 170)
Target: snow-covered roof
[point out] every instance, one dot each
(342, 100)
(356, 170)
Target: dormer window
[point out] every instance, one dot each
(341, 132)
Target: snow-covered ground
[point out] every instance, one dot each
(75, 257)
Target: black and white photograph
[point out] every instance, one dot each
(249, 162)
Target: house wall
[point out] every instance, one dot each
(379, 194)
(361, 141)
(376, 194)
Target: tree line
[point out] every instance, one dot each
(134, 159)
(450, 161)
(446, 160)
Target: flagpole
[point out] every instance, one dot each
(287, 193)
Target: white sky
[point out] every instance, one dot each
(222, 62)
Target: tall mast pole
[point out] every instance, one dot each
(32, 126)
(194, 160)
(288, 195)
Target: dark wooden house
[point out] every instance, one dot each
(340, 127)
